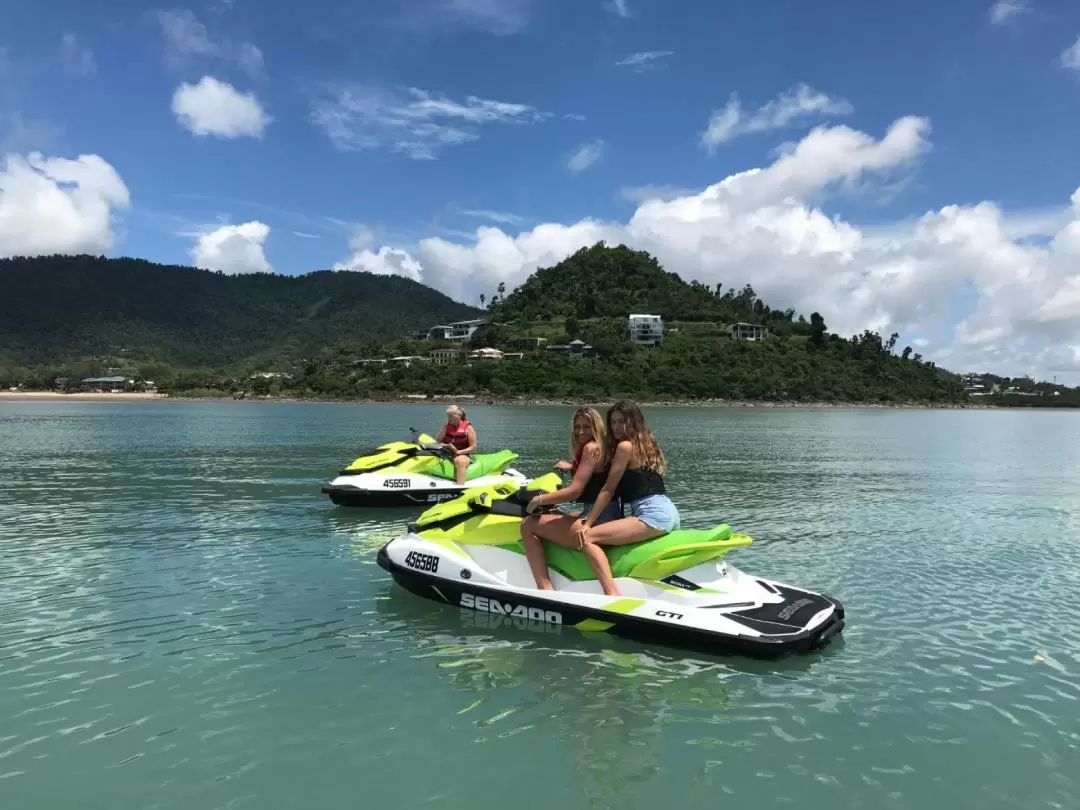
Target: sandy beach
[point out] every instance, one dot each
(32, 396)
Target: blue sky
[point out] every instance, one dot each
(636, 81)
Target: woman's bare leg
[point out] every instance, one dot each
(619, 532)
(560, 531)
(623, 531)
(598, 561)
(534, 549)
(461, 464)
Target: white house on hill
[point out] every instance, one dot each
(646, 330)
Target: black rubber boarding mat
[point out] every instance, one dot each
(783, 618)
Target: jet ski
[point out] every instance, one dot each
(420, 471)
(676, 590)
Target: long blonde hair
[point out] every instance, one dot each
(646, 449)
(598, 429)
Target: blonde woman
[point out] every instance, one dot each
(589, 471)
(635, 477)
(459, 436)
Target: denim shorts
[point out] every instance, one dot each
(613, 511)
(656, 511)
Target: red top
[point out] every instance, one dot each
(457, 437)
(577, 459)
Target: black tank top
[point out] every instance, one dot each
(593, 487)
(639, 483)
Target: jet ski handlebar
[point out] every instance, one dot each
(434, 448)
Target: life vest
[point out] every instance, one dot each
(458, 437)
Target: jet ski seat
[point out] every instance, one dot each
(482, 464)
(650, 559)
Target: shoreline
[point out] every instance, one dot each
(83, 396)
(470, 399)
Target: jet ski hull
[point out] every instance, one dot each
(731, 612)
(374, 498)
(397, 490)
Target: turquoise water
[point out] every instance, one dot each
(188, 623)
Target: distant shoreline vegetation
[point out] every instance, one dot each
(565, 335)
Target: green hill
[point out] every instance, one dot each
(612, 282)
(59, 309)
(199, 331)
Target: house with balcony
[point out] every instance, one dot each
(105, 385)
(444, 357)
(486, 353)
(646, 330)
(462, 331)
(575, 348)
(748, 331)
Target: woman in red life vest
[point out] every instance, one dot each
(589, 472)
(460, 436)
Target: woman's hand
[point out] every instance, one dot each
(581, 529)
(563, 466)
(532, 505)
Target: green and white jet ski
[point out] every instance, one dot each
(420, 471)
(676, 590)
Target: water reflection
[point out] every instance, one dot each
(608, 700)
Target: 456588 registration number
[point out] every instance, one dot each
(422, 562)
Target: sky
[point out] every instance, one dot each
(909, 167)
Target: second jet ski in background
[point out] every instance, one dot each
(416, 472)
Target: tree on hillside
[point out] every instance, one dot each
(817, 330)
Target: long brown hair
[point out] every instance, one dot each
(646, 449)
(598, 429)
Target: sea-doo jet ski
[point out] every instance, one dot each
(676, 590)
(420, 471)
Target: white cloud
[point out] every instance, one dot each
(495, 16)
(799, 102)
(186, 37)
(643, 60)
(21, 135)
(387, 261)
(1020, 301)
(212, 107)
(620, 7)
(494, 216)
(57, 205)
(233, 249)
(412, 122)
(639, 194)
(1004, 10)
(586, 155)
(1070, 58)
(75, 57)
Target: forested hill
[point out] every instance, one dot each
(610, 282)
(63, 308)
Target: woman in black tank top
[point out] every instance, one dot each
(589, 473)
(636, 477)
